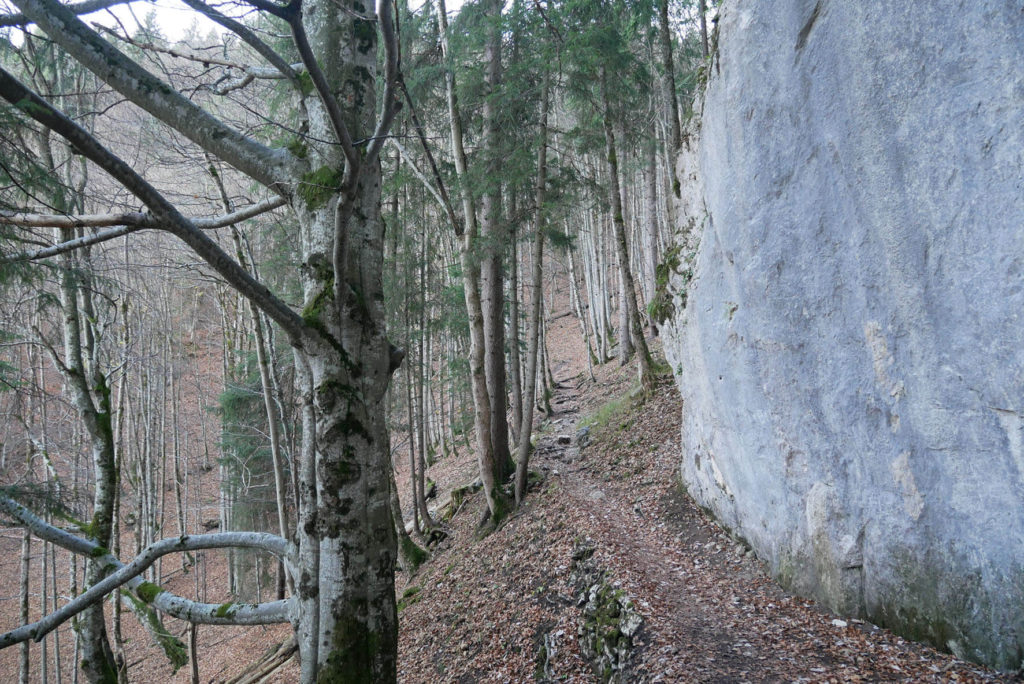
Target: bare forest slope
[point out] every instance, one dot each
(507, 608)
(483, 610)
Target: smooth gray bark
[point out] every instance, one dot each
(344, 610)
(622, 251)
(117, 574)
(26, 556)
(536, 285)
(91, 397)
(268, 166)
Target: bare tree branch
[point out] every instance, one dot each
(124, 225)
(285, 12)
(250, 74)
(164, 213)
(251, 71)
(266, 165)
(249, 38)
(87, 7)
(134, 218)
(387, 31)
(445, 199)
(137, 219)
(130, 574)
(416, 172)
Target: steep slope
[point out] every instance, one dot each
(847, 335)
(481, 609)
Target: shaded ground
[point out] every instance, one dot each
(479, 610)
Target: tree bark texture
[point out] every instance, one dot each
(492, 271)
(348, 529)
(344, 609)
(536, 284)
(496, 500)
(622, 249)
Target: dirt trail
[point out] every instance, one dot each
(710, 612)
(482, 607)
(644, 554)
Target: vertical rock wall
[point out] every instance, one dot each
(851, 348)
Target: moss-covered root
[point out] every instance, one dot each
(410, 596)
(492, 520)
(413, 555)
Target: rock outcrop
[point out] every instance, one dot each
(608, 622)
(848, 326)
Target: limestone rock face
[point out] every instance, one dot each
(848, 332)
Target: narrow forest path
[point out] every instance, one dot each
(506, 608)
(644, 555)
(706, 604)
(710, 612)
(480, 610)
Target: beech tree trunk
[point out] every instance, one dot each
(411, 554)
(582, 312)
(347, 546)
(344, 609)
(91, 396)
(422, 391)
(536, 299)
(410, 411)
(622, 249)
(24, 663)
(496, 499)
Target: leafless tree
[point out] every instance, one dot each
(343, 608)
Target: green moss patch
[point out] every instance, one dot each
(147, 591)
(413, 554)
(317, 187)
(410, 596)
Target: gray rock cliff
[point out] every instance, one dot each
(848, 333)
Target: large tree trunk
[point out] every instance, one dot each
(347, 529)
(622, 249)
(92, 400)
(496, 499)
(536, 283)
(492, 271)
(347, 614)
(344, 608)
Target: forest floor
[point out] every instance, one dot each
(481, 609)
(506, 607)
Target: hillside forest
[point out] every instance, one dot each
(331, 352)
